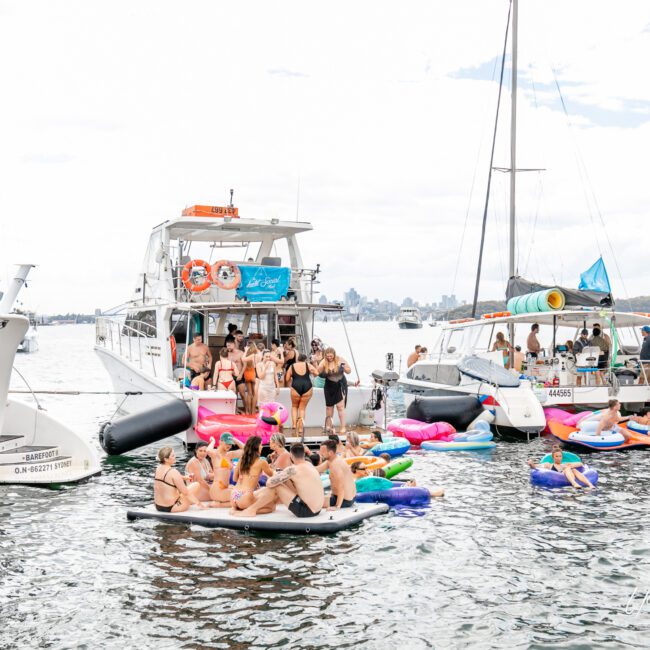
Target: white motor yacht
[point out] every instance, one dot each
(35, 448)
(202, 271)
(409, 318)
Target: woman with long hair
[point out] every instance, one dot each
(222, 461)
(170, 494)
(299, 378)
(504, 346)
(333, 369)
(224, 372)
(250, 358)
(268, 388)
(247, 475)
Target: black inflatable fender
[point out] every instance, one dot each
(459, 410)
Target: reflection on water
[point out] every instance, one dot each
(495, 563)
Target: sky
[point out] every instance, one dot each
(378, 115)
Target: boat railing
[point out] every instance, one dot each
(127, 341)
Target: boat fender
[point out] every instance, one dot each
(458, 411)
(144, 428)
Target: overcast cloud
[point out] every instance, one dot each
(116, 115)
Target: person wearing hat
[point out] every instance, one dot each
(222, 463)
(644, 355)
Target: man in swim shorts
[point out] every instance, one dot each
(298, 487)
(235, 356)
(610, 419)
(198, 356)
(344, 489)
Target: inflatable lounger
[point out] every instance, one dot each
(280, 521)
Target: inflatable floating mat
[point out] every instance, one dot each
(280, 521)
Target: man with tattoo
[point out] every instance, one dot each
(298, 487)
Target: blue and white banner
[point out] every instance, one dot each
(263, 283)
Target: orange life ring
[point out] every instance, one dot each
(460, 320)
(223, 282)
(172, 345)
(185, 276)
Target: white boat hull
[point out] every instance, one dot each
(36, 449)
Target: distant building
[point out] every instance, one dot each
(448, 302)
(351, 299)
(407, 302)
(322, 300)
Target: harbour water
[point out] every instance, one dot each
(495, 563)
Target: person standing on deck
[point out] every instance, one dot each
(532, 343)
(578, 347)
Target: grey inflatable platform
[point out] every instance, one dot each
(280, 521)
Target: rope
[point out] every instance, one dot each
(30, 391)
(354, 361)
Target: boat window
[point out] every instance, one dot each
(440, 373)
(143, 322)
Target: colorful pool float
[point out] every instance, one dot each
(551, 479)
(374, 489)
(371, 462)
(586, 437)
(417, 432)
(394, 447)
(397, 466)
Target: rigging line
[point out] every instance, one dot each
(489, 182)
(534, 228)
(593, 194)
(576, 155)
(469, 201)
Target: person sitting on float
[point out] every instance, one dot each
(170, 494)
(375, 439)
(570, 470)
(222, 459)
(611, 418)
(340, 449)
(353, 446)
(279, 457)
(247, 475)
(199, 469)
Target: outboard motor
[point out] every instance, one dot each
(144, 428)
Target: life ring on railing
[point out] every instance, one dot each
(460, 320)
(223, 278)
(172, 345)
(187, 281)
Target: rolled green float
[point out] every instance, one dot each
(396, 466)
(530, 303)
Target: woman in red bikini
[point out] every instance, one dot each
(224, 372)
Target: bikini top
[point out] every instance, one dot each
(224, 463)
(162, 480)
(219, 368)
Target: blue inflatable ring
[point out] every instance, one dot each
(397, 496)
(394, 447)
(550, 479)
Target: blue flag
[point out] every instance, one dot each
(595, 278)
(263, 283)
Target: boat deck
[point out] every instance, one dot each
(314, 435)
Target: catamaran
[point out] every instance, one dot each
(202, 271)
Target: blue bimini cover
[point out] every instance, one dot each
(263, 283)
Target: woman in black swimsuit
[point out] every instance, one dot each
(169, 491)
(333, 369)
(298, 377)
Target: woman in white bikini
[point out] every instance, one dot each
(268, 388)
(247, 476)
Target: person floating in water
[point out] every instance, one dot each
(611, 418)
(570, 470)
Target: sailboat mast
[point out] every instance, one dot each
(513, 138)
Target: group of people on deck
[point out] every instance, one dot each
(292, 479)
(257, 373)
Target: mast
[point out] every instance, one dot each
(513, 139)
